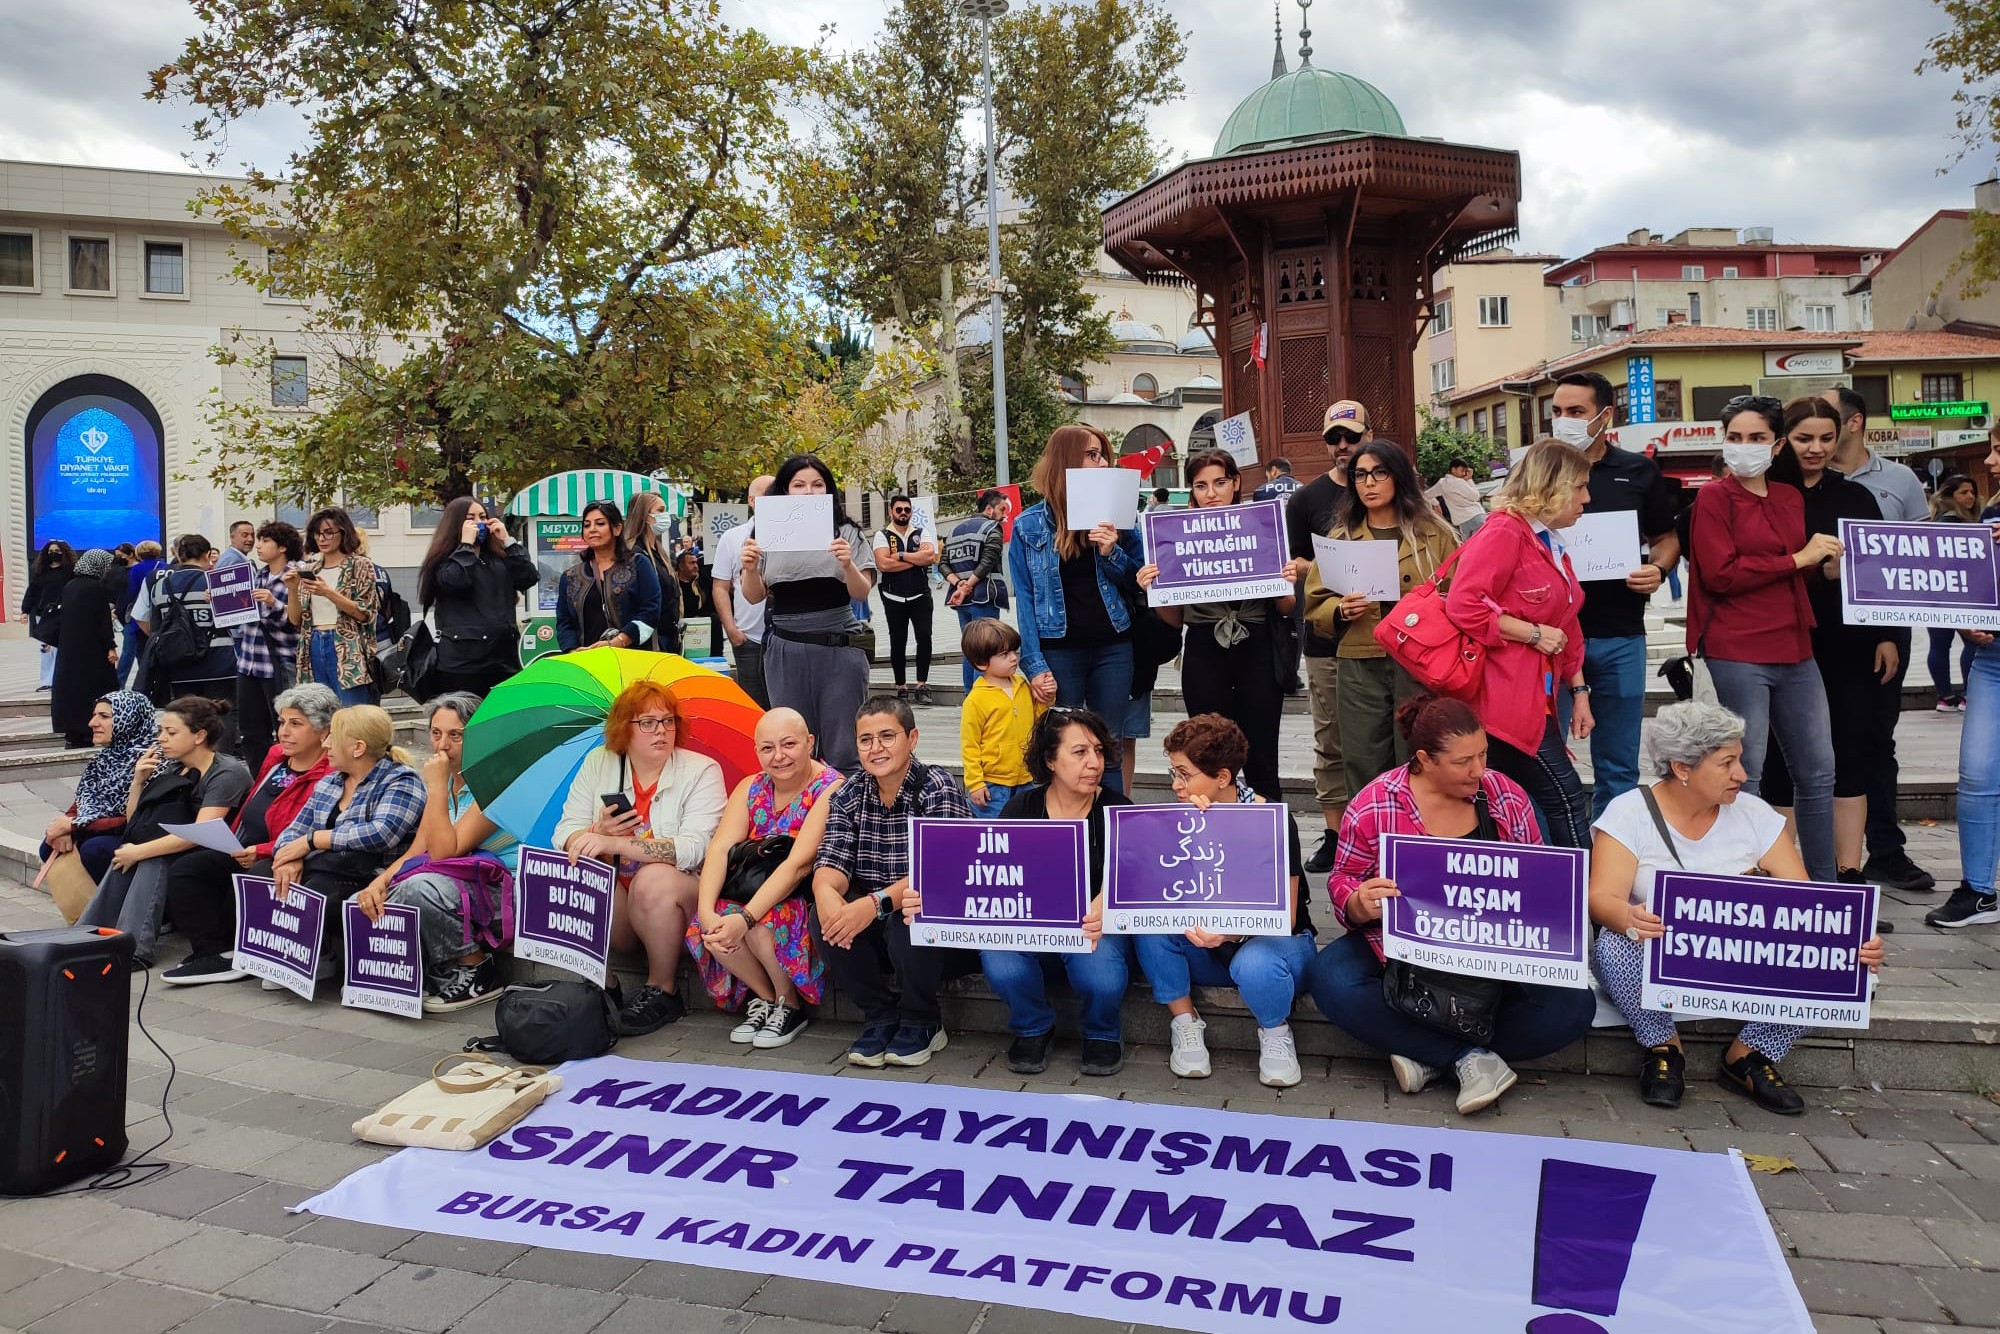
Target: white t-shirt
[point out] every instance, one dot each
(1743, 832)
(729, 565)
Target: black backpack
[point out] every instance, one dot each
(394, 608)
(552, 1022)
(181, 630)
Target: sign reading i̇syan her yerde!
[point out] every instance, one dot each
(562, 912)
(1753, 948)
(277, 937)
(385, 961)
(1171, 868)
(1513, 911)
(1937, 574)
(1223, 552)
(229, 595)
(1001, 885)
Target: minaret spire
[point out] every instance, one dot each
(1305, 33)
(1278, 28)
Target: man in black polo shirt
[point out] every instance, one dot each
(1309, 511)
(1613, 618)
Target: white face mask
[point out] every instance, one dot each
(1572, 431)
(1747, 460)
(663, 523)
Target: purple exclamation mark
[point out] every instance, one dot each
(1585, 1227)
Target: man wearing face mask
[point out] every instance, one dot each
(1613, 618)
(1901, 498)
(1310, 510)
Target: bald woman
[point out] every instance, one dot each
(757, 957)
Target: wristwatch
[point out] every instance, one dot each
(1579, 690)
(886, 902)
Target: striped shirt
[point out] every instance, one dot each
(870, 842)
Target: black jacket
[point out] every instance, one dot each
(477, 593)
(1834, 499)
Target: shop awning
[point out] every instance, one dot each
(568, 492)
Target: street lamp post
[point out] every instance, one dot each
(986, 11)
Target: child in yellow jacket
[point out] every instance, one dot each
(999, 713)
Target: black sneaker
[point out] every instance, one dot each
(1895, 870)
(871, 1048)
(1965, 908)
(781, 1025)
(1029, 1055)
(1849, 876)
(1321, 862)
(1758, 1080)
(650, 1011)
(914, 1044)
(922, 695)
(466, 985)
(1663, 1077)
(201, 969)
(1101, 1057)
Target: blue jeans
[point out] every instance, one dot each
(1098, 978)
(996, 797)
(1346, 983)
(1979, 771)
(128, 654)
(966, 616)
(1268, 970)
(1788, 700)
(1101, 681)
(326, 669)
(1615, 671)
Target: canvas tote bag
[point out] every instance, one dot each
(460, 1108)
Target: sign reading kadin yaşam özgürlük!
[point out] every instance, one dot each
(1754, 948)
(1226, 551)
(1001, 884)
(385, 961)
(562, 912)
(278, 936)
(1513, 911)
(1169, 868)
(1937, 574)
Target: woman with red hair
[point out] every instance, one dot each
(656, 836)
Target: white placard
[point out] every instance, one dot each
(1354, 566)
(1236, 435)
(794, 523)
(215, 835)
(1097, 495)
(1603, 546)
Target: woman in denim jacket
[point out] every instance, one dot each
(1076, 649)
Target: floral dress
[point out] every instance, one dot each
(789, 927)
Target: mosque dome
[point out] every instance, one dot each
(1308, 103)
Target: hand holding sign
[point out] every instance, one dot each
(794, 523)
(1369, 568)
(1170, 869)
(1603, 546)
(562, 911)
(1010, 884)
(1100, 495)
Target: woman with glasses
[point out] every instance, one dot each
(1750, 617)
(1070, 591)
(1384, 503)
(1230, 663)
(333, 597)
(611, 595)
(648, 807)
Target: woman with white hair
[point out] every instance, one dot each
(1694, 816)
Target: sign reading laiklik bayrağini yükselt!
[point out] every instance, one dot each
(1222, 552)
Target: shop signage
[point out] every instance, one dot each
(1926, 412)
(1639, 389)
(1820, 361)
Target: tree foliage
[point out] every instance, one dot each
(1440, 445)
(1970, 48)
(531, 235)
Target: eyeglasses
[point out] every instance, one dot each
(1180, 775)
(1342, 438)
(1093, 453)
(651, 725)
(1372, 475)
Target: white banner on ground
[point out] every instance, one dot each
(1129, 1211)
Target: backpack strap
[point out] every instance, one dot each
(1660, 823)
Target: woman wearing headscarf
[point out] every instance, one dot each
(86, 649)
(123, 726)
(42, 597)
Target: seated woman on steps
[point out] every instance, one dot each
(122, 726)
(1694, 816)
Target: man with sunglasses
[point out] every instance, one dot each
(1309, 511)
(905, 558)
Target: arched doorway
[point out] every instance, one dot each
(1146, 436)
(97, 475)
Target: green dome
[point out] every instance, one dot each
(1308, 103)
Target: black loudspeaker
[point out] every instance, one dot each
(64, 995)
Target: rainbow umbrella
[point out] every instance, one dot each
(531, 735)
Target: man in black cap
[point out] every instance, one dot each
(1309, 511)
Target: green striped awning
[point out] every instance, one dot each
(566, 493)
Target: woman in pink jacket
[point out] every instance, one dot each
(1513, 591)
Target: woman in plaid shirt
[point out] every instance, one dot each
(1445, 791)
(360, 818)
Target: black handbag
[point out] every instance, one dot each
(553, 1022)
(751, 863)
(1456, 1004)
(420, 662)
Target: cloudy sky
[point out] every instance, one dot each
(1801, 115)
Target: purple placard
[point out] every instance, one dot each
(1171, 868)
(1940, 574)
(278, 939)
(1001, 884)
(229, 595)
(1514, 911)
(1754, 948)
(1208, 555)
(562, 912)
(385, 961)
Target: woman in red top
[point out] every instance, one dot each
(1513, 591)
(1750, 620)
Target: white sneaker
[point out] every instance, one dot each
(1190, 1052)
(1412, 1076)
(754, 1016)
(1482, 1078)
(1278, 1057)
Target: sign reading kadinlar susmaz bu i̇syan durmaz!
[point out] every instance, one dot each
(562, 912)
(1170, 869)
(1933, 574)
(1001, 884)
